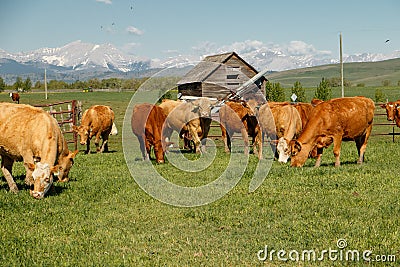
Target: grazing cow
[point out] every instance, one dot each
(283, 122)
(168, 105)
(194, 117)
(31, 135)
(240, 117)
(147, 124)
(96, 121)
(334, 121)
(15, 97)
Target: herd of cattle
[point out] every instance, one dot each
(299, 131)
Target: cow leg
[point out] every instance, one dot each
(104, 146)
(87, 146)
(245, 140)
(337, 143)
(319, 157)
(258, 142)
(362, 144)
(227, 141)
(196, 139)
(6, 167)
(97, 143)
(143, 147)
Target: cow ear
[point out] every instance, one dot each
(55, 169)
(74, 128)
(73, 154)
(30, 166)
(297, 146)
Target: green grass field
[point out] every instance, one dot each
(103, 218)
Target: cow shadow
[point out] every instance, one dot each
(56, 189)
(342, 163)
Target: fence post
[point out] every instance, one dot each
(74, 110)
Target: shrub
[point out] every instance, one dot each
(324, 90)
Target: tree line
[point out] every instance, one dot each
(110, 83)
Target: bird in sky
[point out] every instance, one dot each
(387, 41)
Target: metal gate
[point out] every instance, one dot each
(66, 115)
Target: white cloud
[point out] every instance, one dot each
(134, 30)
(108, 2)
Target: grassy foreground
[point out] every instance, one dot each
(102, 217)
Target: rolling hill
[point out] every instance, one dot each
(368, 73)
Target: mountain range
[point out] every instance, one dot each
(81, 61)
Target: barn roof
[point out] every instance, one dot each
(207, 67)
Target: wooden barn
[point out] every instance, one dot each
(219, 75)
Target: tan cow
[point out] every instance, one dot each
(240, 117)
(334, 121)
(168, 106)
(96, 121)
(285, 126)
(31, 135)
(193, 116)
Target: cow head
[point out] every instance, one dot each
(299, 155)
(390, 108)
(83, 131)
(203, 107)
(283, 150)
(42, 178)
(65, 163)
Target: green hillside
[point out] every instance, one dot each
(367, 73)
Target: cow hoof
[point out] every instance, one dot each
(14, 190)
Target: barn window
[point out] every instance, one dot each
(232, 76)
(233, 68)
(233, 84)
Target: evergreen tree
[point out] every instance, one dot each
(324, 90)
(2, 85)
(274, 92)
(19, 84)
(299, 91)
(27, 85)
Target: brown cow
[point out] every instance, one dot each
(15, 97)
(240, 117)
(334, 121)
(96, 121)
(283, 122)
(147, 124)
(194, 117)
(31, 135)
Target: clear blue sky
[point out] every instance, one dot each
(157, 28)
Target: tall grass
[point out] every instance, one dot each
(102, 217)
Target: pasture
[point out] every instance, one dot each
(103, 218)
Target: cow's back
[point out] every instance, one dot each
(349, 116)
(99, 118)
(287, 121)
(231, 116)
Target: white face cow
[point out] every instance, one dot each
(283, 150)
(42, 179)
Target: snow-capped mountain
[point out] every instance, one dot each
(79, 60)
(80, 56)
